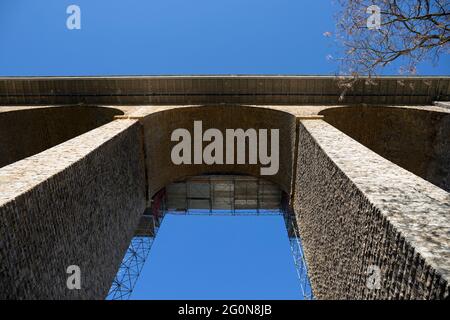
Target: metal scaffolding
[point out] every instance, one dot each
(138, 251)
(297, 250)
(224, 195)
(213, 196)
(130, 268)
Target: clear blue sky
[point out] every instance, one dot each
(193, 257)
(203, 257)
(170, 37)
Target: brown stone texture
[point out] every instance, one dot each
(27, 131)
(75, 204)
(159, 126)
(417, 140)
(356, 209)
(252, 89)
(74, 184)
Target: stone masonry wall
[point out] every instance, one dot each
(159, 126)
(417, 140)
(355, 209)
(27, 131)
(75, 204)
(78, 203)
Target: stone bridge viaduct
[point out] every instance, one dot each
(367, 177)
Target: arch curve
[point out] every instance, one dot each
(158, 127)
(28, 131)
(415, 139)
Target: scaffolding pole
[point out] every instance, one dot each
(297, 251)
(137, 253)
(130, 268)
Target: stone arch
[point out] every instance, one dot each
(28, 131)
(415, 139)
(158, 127)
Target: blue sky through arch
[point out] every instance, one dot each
(219, 257)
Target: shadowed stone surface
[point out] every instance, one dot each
(75, 204)
(27, 131)
(417, 140)
(159, 126)
(79, 202)
(239, 89)
(356, 209)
